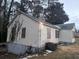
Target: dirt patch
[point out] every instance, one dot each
(4, 55)
(70, 49)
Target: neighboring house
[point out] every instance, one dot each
(67, 33)
(28, 33)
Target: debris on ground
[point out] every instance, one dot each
(23, 58)
(48, 51)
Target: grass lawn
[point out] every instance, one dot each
(63, 52)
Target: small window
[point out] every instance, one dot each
(23, 32)
(48, 33)
(57, 33)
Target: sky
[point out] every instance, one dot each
(71, 8)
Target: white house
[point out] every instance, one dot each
(67, 33)
(28, 33)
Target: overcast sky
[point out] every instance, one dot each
(71, 7)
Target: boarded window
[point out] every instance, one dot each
(48, 33)
(23, 32)
(57, 33)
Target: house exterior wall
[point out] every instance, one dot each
(53, 38)
(32, 32)
(43, 35)
(67, 36)
(44, 38)
(10, 29)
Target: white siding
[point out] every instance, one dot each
(43, 35)
(53, 37)
(66, 36)
(10, 28)
(44, 38)
(32, 32)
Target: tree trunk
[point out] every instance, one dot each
(5, 20)
(8, 15)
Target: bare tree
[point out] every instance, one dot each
(8, 15)
(5, 20)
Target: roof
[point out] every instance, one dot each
(52, 26)
(67, 26)
(18, 15)
(36, 19)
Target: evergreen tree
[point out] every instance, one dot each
(37, 10)
(55, 14)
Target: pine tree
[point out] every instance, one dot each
(55, 14)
